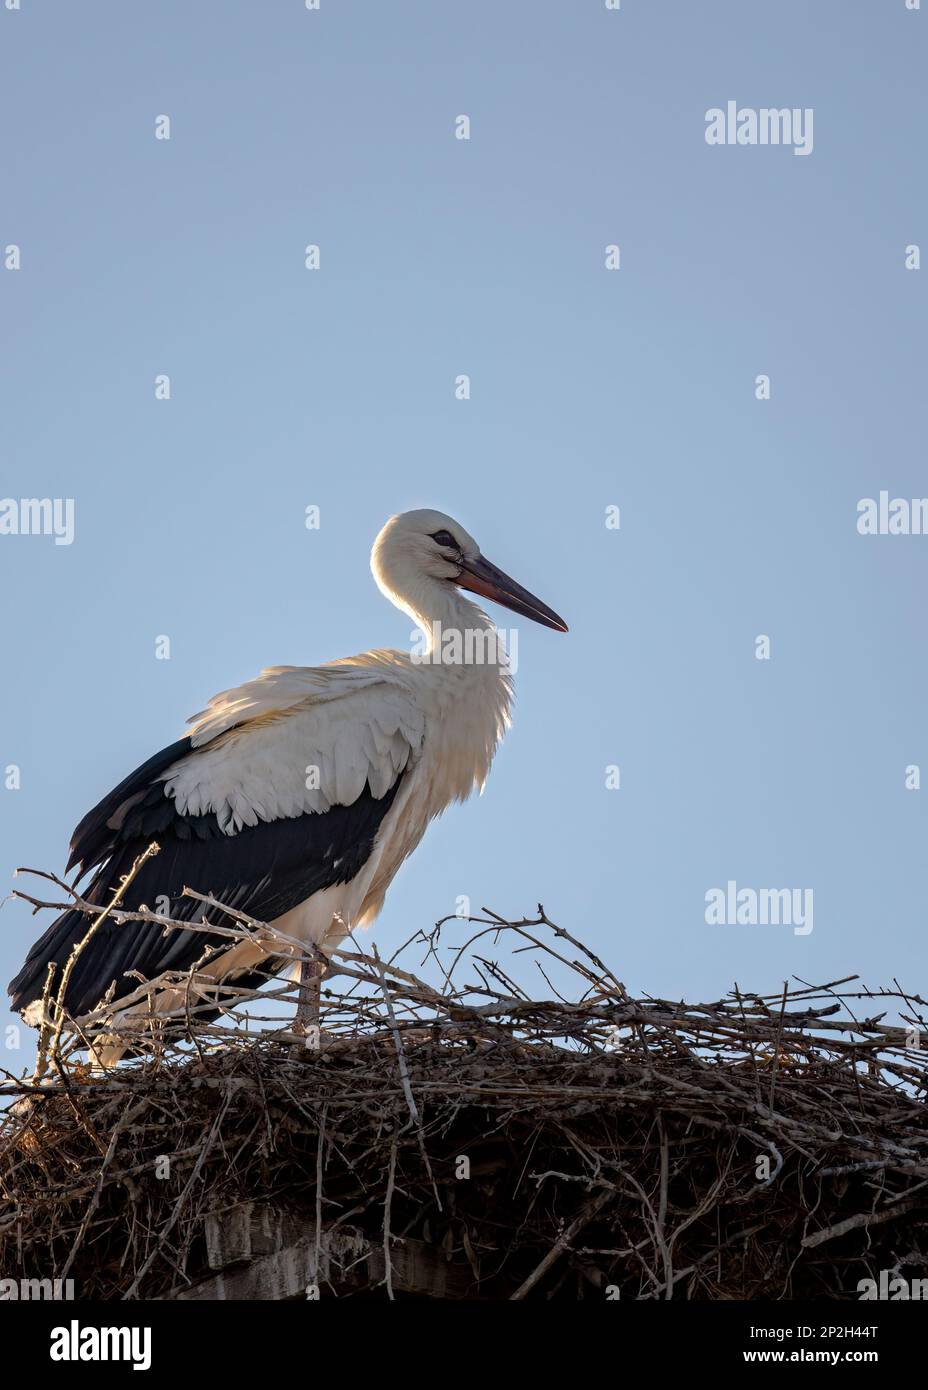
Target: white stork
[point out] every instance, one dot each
(296, 797)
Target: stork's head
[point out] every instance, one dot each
(419, 555)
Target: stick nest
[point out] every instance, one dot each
(584, 1144)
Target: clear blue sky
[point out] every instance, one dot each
(633, 387)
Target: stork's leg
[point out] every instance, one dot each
(310, 995)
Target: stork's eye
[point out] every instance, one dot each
(444, 538)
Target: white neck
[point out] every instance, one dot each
(439, 608)
(464, 676)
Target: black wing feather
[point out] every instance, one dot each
(94, 838)
(263, 870)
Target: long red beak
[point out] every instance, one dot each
(481, 577)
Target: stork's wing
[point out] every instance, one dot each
(278, 792)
